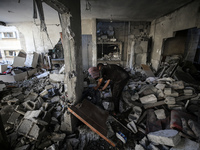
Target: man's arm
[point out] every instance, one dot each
(105, 86)
(99, 83)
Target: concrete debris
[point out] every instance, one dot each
(160, 113)
(186, 144)
(149, 99)
(166, 137)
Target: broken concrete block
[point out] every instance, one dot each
(186, 144)
(25, 126)
(30, 105)
(57, 77)
(13, 118)
(107, 105)
(135, 114)
(131, 125)
(135, 97)
(160, 113)
(47, 87)
(149, 99)
(186, 129)
(160, 86)
(188, 92)
(32, 115)
(195, 127)
(2, 86)
(168, 91)
(55, 99)
(139, 147)
(34, 132)
(25, 147)
(166, 137)
(160, 93)
(177, 85)
(43, 93)
(174, 94)
(57, 137)
(12, 101)
(32, 96)
(170, 100)
(151, 146)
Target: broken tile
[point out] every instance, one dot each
(149, 99)
(166, 137)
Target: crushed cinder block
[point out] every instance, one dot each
(160, 86)
(174, 94)
(135, 114)
(149, 99)
(188, 92)
(131, 125)
(168, 137)
(30, 105)
(12, 101)
(57, 137)
(160, 93)
(20, 109)
(25, 147)
(139, 147)
(2, 86)
(108, 105)
(186, 144)
(32, 115)
(34, 132)
(25, 126)
(177, 85)
(170, 100)
(55, 99)
(160, 113)
(168, 91)
(32, 96)
(13, 118)
(43, 93)
(135, 97)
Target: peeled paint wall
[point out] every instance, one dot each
(36, 41)
(164, 27)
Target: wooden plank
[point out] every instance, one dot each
(93, 117)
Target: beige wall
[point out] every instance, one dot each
(164, 27)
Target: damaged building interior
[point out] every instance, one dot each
(99, 74)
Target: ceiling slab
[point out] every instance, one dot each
(130, 10)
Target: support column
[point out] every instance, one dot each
(71, 33)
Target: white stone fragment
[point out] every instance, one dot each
(168, 137)
(160, 113)
(149, 99)
(178, 85)
(188, 92)
(139, 147)
(186, 144)
(160, 86)
(170, 100)
(168, 91)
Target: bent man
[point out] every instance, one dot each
(117, 77)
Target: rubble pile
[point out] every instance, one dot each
(33, 112)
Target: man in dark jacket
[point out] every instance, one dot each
(117, 77)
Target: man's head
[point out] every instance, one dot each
(99, 66)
